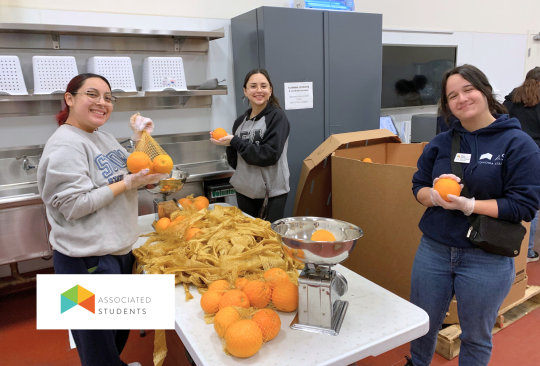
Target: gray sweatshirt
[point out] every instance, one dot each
(73, 177)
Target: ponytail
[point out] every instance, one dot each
(62, 116)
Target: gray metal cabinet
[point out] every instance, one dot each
(341, 53)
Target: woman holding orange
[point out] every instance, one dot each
(257, 150)
(501, 170)
(91, 201)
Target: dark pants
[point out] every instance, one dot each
(97, 347)
(274, 210)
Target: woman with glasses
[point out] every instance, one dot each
(91, 201)
(257, 150)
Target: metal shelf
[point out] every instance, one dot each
(19, 36)
(50, 104)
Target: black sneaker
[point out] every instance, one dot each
(409, 361)
(534, 258)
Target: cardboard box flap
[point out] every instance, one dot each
(359, 138)
(323, 175)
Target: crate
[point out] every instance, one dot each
(52, 74)
(163, 73)
(117, 70)
(448, 342)
(11, 76)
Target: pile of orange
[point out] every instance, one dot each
(139, 160)
(197, 203)
(244, 337)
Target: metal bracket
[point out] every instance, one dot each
(56, 40)
(178, 42)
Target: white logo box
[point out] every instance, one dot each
(121, 302)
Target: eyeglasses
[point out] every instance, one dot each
(95, 97)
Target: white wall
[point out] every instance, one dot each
(492, 16)
(23, 131)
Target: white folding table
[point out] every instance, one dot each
(376, 321)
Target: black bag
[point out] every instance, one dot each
(488, 233)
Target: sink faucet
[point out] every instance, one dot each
(26, 164)
(130, 144)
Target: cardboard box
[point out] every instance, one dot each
(375, 196)
(313, 196)
(517, 292)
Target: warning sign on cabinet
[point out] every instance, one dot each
(299, 95)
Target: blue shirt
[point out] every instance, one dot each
(504, 165)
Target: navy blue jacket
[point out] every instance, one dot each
(505, 165)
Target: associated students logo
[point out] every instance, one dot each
(77, 295)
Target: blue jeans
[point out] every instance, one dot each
(534, 222)
(480, 282)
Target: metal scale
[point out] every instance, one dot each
(164, 206)
(320, 288)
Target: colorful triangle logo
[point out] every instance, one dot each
(77, 295)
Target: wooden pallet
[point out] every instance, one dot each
(448, 341)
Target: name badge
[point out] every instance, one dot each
(463, 158)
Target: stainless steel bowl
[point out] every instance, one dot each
(295, 233)
(174, 183)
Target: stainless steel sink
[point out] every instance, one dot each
(18, 190)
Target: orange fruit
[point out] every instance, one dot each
(240, 283)
(224, 318)
(162, 164)
(285, 297)
(367, 160)
(259, 293)
(185, 203)
(269, 322)
(179, 218)
(210, 301)
(219, 133)
(139, 161)
(201, 202)
(243, 338)
(323, 235)
(194, 231)
(446, 186)
(219, 285)
(162, 224)
(300, 253)
(234, 298)
(276, 275)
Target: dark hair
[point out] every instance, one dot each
(529, 92)
(479, 81)
(73, 87)
(272, 98)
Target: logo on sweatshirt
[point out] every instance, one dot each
(77, 295)
(487, 156)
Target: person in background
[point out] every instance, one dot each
(257, 150)
(523, 103)
(91, 201)
(503, 179)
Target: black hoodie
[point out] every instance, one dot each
(529, 117)
(258, 153)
